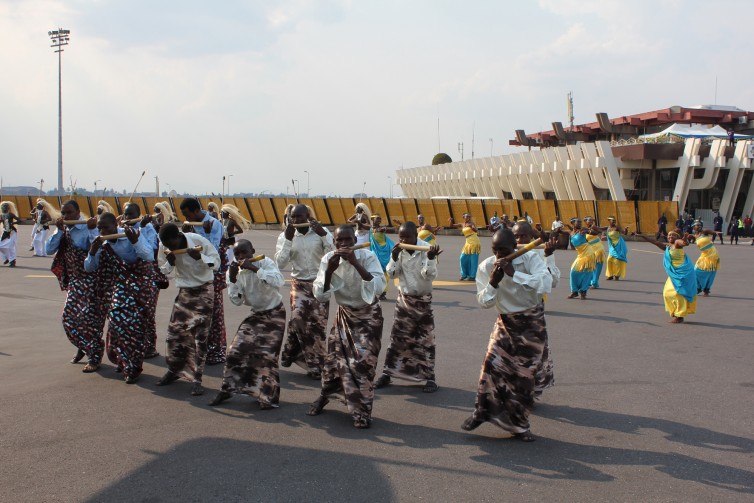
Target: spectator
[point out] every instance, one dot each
(733, 228)
(681, 221)
(717, 222)
(747, 226)
(662, 227)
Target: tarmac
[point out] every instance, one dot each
(642, 410)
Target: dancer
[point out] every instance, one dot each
(212, 230)
(213, 210)
(679, 293)
(83, 302)
(158, 281)
(469, 259)
(594, 238)
(544, 375)
(9, 217)
(353, 346)
(45, 214)
(505, 395)
(233, 223)
(583, 266)
(382, 246)
(163, 214)
(427, 232)
(617, 251)
(105, 207)
(252, 364)
(708, 263)
(411, 354)
(302, 246)
(129, 260)
(191, 319)
(363, 220)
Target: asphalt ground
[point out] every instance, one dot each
(642, 410)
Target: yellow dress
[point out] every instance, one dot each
(676, 304)
(599, 251)
(472, 246)
(427, 236)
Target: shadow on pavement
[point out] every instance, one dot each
(219, 469)
(555, 459)
(625, 423)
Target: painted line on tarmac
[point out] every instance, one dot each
(39, 276)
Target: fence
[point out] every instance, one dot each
(641, 216)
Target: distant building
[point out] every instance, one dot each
(675, 154)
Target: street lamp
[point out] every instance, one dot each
(308, 194)
(60, 38)
(228, 186)
(41, 184)
(363, 188)
(490, 147)
(390, 181)
(95, 187)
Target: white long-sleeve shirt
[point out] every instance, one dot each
(415, 272)
(346, 283)
(190, 273)
(260, 290)
(554, 270)
(303, 253)
(516, 293)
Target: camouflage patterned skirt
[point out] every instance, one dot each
(353, 347)
(411, 354)
(506, 386)
(307, 328)
(188, 331)
(252, 363)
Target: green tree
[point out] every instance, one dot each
(441, 158)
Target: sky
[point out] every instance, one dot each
(263, 92)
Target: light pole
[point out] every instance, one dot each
(95, 187)
(490, 147)
(228, 186)
(222, 194)
(363, 188)
(60, 38)
(390, 181)
(41, 184)
(308, 194)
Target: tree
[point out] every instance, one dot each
(441, 158)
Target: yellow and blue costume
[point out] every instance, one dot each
(680, 288)
(617, 255)
(706, 265)
(469, 259)
(584, 265)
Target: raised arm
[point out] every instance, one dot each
(658, 244)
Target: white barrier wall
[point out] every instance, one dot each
(574, 172)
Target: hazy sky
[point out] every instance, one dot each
(193, 90)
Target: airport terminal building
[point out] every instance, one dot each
(697, 157)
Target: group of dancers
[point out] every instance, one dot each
(685, 281)
(112, 269)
